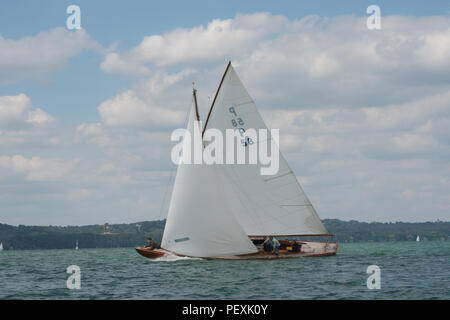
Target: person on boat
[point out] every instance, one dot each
(271, 244)
(267, 245)
(152, 244)
(295, 247)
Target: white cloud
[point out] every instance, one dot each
(415, 142)
(45, 52)
(127, 109)
(90, 129)
(311, 62)
(16, 111)
(14, 108)
(218, 40)
(24, 128)
(39, 117)
(151, 103)
(114, 63)
(37, 168)
(409, 113)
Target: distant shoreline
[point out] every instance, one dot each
(134, 234)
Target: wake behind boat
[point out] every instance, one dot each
(225, 211)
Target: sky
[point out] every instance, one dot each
(86, 115)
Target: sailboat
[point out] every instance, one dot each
(1, 246)
(418, 238)
(226, 211)
(76, 245)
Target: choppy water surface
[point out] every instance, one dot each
(409, 270)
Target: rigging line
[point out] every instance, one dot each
(243, 103)
(295, 205)
(295, 197)
(278, 176)
(171, 178)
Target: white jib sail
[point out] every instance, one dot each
(263, 204)
(200, 223)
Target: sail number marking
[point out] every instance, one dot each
(235, 122)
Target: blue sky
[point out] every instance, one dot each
(86, 114)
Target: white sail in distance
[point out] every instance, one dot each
(200, 222)
(263, 204)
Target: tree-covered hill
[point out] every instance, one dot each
(91, 236)
(355, 231)
(134, 234)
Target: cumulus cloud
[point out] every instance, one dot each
(115, 63)
(384, 132)
(37, 168)
(127, 109)
(24, 128)
(155, 103)
(16, 111)
(218, 40)
(14, 108)
(45, 52)
(310, 62)
(410, 113)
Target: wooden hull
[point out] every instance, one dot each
(307, 249)
(151, 253)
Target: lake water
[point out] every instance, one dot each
(409, 270)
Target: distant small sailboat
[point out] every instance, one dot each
(76, 245)
(226, 211)
(418, 238)
(1, 246)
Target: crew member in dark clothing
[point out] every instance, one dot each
(271, 244)
(295, 247)
(267, 244)
(152, 244)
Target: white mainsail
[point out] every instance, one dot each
(1, 246)
(418, 238)
(263, 205)
(200, 222)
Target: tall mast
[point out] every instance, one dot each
(215, 97)
(194, 92)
